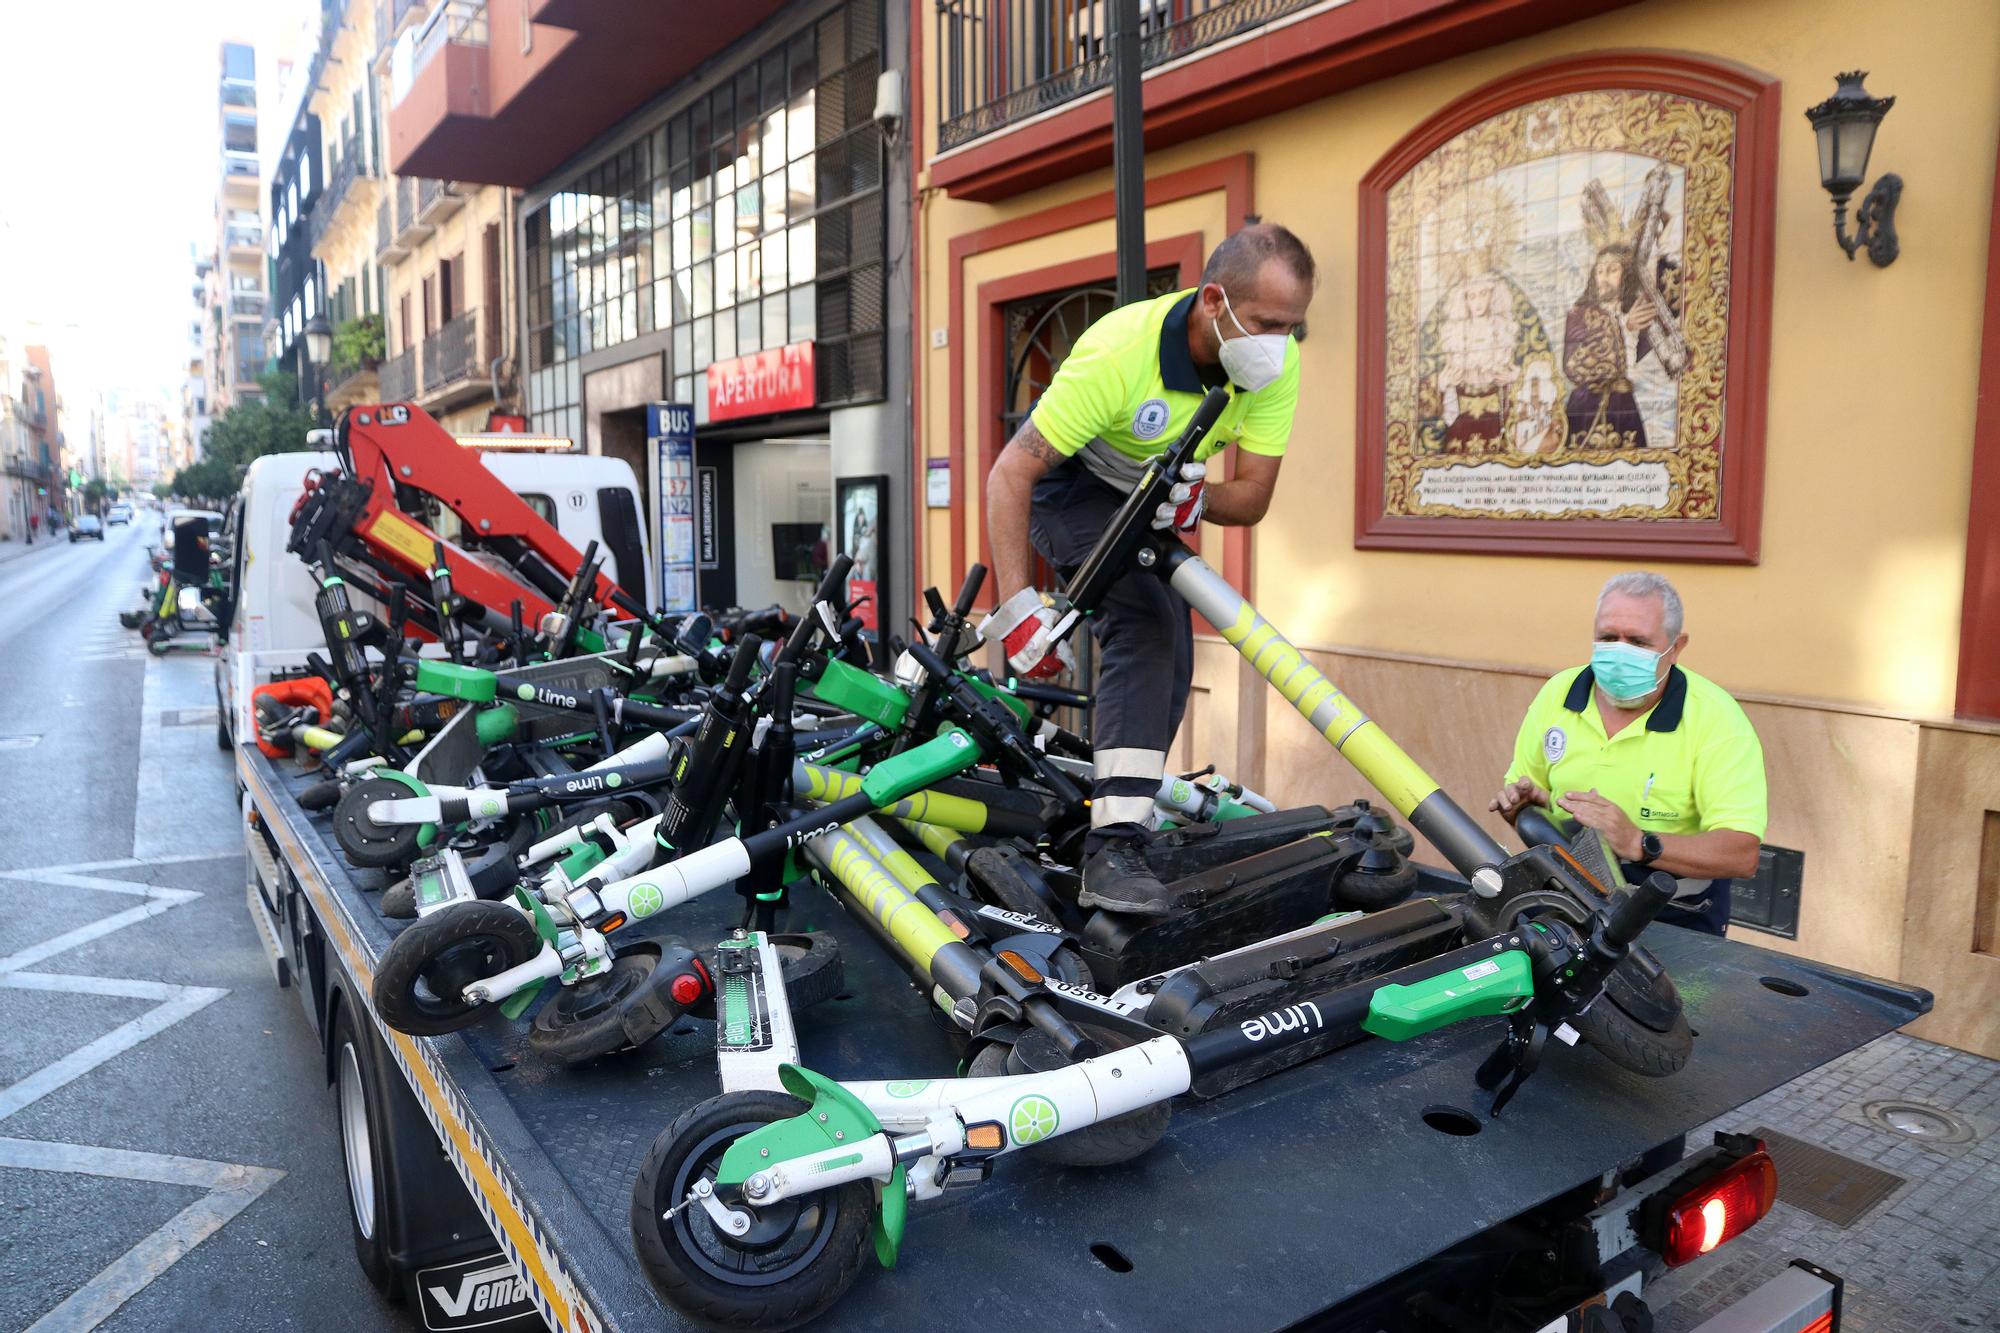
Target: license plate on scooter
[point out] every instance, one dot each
(440, 881)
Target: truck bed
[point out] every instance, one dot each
(1260, 1209)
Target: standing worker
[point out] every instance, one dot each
(1121, 397)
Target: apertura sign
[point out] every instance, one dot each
(779, 379)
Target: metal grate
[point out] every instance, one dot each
(1823, 1182)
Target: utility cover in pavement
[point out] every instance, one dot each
(1823, 1182)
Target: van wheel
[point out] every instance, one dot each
(357, 1094)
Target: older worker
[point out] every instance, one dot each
(1658, 759)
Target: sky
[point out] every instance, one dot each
(113, 152)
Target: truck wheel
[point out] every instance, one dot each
(420, 981)
(358, 1099)
(799, 1255)
(1119, 1139)
(222, 741)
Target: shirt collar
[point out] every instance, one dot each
(1178, 371)
(1666, 714)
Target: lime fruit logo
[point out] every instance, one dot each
(1033, 1119)
(525, 691)
(908, 1087)
(645, 900)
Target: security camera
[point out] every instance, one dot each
(889, 101)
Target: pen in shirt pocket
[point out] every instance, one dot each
(1648, 789)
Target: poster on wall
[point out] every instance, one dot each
(860, 504)
(670, 433)
(1568, 356)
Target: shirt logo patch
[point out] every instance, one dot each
(1150, 419)
(1554, 742)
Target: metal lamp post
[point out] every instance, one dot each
(319, 352)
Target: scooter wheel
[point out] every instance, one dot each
(159, 645)
(420, 982)
(1638, 1023)
(798, 1256)
(369, 844)
(811, 965)
(1108, 1143)
(131, 619)
(626, 1006)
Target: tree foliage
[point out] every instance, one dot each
(275, 424)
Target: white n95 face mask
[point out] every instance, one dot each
(1252, 360)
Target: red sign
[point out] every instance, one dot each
(777, 380)
(502, 423)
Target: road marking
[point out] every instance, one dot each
(231, 1188)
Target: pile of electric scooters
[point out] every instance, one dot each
(542, 799)
(184, 602)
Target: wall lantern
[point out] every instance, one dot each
(1845, 124)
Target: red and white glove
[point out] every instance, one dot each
(1181, 510)
(1022, 624)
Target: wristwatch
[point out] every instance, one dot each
(1650, 848)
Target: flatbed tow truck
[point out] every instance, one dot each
(1367, 1189)
(1335, 1194)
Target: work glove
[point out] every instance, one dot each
(1181, 510)
(1022, 625)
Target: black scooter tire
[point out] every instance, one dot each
(677, 1254)
(131, 619)
(365, 843)
(811, 964)
(621, 1010)
(1630, 1043)
(444, 952)
(1107, 1143)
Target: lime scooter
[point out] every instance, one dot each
(755, 1208)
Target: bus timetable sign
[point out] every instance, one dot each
(779, 379)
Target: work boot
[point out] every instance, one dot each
(1116, 877)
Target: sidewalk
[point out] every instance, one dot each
(16, 549)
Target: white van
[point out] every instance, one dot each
(273, 624)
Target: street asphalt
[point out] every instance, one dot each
(169, 1153)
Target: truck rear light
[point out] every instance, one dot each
(1716, 1208)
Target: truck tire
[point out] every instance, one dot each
(358, 1098)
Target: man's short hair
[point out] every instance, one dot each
(1242, 255)
(1643, 583)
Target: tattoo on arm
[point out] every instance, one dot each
(1029, 441)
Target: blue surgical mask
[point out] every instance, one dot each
(1626, 672)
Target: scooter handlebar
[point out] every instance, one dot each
(968, 591)
(1630, 912)
(740, 665)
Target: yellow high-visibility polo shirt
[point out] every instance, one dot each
(1690, 764)
(1127, 388)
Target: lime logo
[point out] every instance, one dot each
(1180, 793)
(614, 780)
(645, 900)
(1033, 1119)
(492, 805)
(525, 691)
(906, 1087)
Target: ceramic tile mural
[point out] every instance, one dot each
(1557, 314)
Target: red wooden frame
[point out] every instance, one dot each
(1734, 539)
(1979, 618)
(1233, 176)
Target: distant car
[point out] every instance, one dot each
(86, 526)
(118, 514)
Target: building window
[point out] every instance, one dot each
(749, 219)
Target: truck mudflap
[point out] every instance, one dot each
(1804, 1298)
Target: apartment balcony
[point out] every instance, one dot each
(414, 224)
(396, 378)
(246, 305)
(437, 200)
(451, 371)
(244, 241)
(241, 181)
(348, 188)
(503, 118)
(391, 17)
(351, 383)
(389, 246)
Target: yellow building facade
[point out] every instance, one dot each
(1839, 627)
(343, 98)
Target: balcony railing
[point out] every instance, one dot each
(246, 305)
(1001, 61)
(351, 166)
(239, 164)
(438, 199)
(242, 236)
(455, 22)
(450, 353)
(389, 16)
(396, 378)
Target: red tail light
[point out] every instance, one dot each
(1719, 1208)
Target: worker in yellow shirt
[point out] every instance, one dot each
(1659, 760)
(1121, 397)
